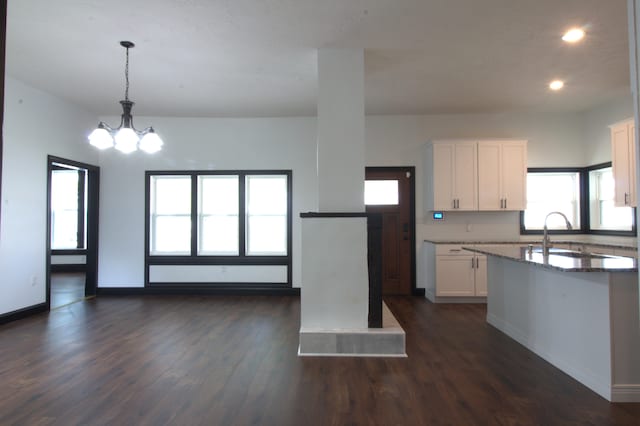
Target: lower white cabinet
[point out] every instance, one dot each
(455, 272)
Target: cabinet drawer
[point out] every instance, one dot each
(451, 250)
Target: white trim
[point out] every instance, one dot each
(625, 393)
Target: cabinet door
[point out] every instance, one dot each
(454, 276)
(443, 164)
(465, 179)
(514, 175)
(481, 276)
(489, 176)
(620, 153)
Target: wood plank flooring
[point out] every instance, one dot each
(192, 360)
(66, 288)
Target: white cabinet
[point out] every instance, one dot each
(623, 158)
(502, 175)
(475, 175)
(454, 178)
(459, 273)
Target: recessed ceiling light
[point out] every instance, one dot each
(574, 35)
(556, 85)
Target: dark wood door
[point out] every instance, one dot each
(389, 191)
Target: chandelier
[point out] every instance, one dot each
(125, 137)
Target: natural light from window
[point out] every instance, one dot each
(266, 207)
(552, 191)
(170, 215)
(218, 215)
(64, 210)
(604, 214)
(381, 193)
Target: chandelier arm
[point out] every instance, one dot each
(104, 125)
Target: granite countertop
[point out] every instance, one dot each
(534, 242)
(560, 259)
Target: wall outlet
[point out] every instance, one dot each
(469, 228)
(34, 280)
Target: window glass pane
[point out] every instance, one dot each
(172, 235)
(172, 194)
(381, 192)
(552, 191)
(266, 209)
(64, 209)
(170, 210)
(604, 214)
(218, 215)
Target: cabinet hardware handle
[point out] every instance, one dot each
(505, 203)
(472, 264)
(502, 203)
(626, 199)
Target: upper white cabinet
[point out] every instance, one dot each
(454, 176)
(623, 158)
(475, 175)
(502, 175)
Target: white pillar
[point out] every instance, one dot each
(341, 130)
(334, 293)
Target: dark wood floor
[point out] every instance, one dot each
(233, 361)
(66, 288)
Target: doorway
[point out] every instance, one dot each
(390, 191)
(72, 231)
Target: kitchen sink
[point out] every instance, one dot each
(572, 253)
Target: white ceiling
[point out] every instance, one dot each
(258, 57)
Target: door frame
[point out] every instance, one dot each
(412, 215)
(93, 207)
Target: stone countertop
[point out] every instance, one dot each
(556, 260)
(525, 242)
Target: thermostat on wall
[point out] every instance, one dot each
(438, 216)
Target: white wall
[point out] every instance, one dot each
(595, 127)
(197, 144)
(36, 124)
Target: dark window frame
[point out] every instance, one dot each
(242, 258)
(585, 216)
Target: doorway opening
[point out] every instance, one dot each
(390, 191)
(72, 231)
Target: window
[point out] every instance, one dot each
(549, 191)
(218, 215)
(170, 216)
(68, 212)
(604, 215)
(227, 214)
(381, 192)
(585, 195)
(266, 215)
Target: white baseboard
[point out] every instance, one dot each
(625, 393)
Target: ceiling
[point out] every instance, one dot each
(258, 57)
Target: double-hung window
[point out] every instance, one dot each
(604, 215)
(228, 214)
(552, 190)
(68, 209)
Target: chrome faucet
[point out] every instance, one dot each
(546, 243)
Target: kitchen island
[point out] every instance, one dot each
(579, 312)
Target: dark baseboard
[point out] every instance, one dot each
(419, 292)
(69, 268)
(23, 313)
(182, 291)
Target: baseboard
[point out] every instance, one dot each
(227, 291)
(23, 313)
(625, 393)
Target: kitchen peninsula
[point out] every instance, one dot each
(576, 310)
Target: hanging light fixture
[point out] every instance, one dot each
(126, 137)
